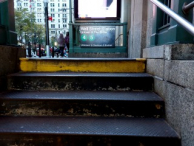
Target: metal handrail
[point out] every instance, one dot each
(183, 22)
(186, 7)
(118, 37)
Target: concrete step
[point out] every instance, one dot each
(80, 81)
(81, 103)
(83, 130)
(117, 65)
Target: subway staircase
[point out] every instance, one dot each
(83, 102)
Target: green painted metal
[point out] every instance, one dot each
(125, 35)
(8, 35)
(173, 33)
(4, 22)
(74, 43)
(77, 49)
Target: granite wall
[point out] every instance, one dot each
(173, 67)
(9, 62)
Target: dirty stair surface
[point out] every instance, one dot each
(79, 103)
(80, 81)
(83, 108)
(87, 126)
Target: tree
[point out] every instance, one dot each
(25, 23)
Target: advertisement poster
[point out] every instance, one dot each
(97, 36)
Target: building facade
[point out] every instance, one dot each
(57, 9)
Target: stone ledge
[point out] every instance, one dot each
(170, 52)
(154, 52)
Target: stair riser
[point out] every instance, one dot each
(82, 108)
(119, 66)
(59, 140)
(81, 83)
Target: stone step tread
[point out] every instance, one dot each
(74, 74)
(95, 126)
(87, 59)
(81, 95)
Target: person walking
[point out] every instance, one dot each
(67, 40)
(66, 44)
(61, 43)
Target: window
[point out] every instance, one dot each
(63, 5)
(64, 20)
(19, 9)
(59, 20)
(52, 10)
(59, 26)
(58, 15)
(165, 18)
(52, 32)
(52, 5)
(38, 4)
(25, 4)
(39, 9)
(19, 4)
(58, 4)
(53, 15)
(52, 25)
(39, 15)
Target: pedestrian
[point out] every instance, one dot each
(67, 40)
(61, 43)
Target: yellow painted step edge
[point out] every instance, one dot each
(32, 65)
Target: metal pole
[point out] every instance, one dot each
(70, 28)
(186, 24)
(47, 30)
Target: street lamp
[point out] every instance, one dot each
(47, 28)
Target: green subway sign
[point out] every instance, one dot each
(97, 36)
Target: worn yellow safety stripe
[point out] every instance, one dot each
(117, 66)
